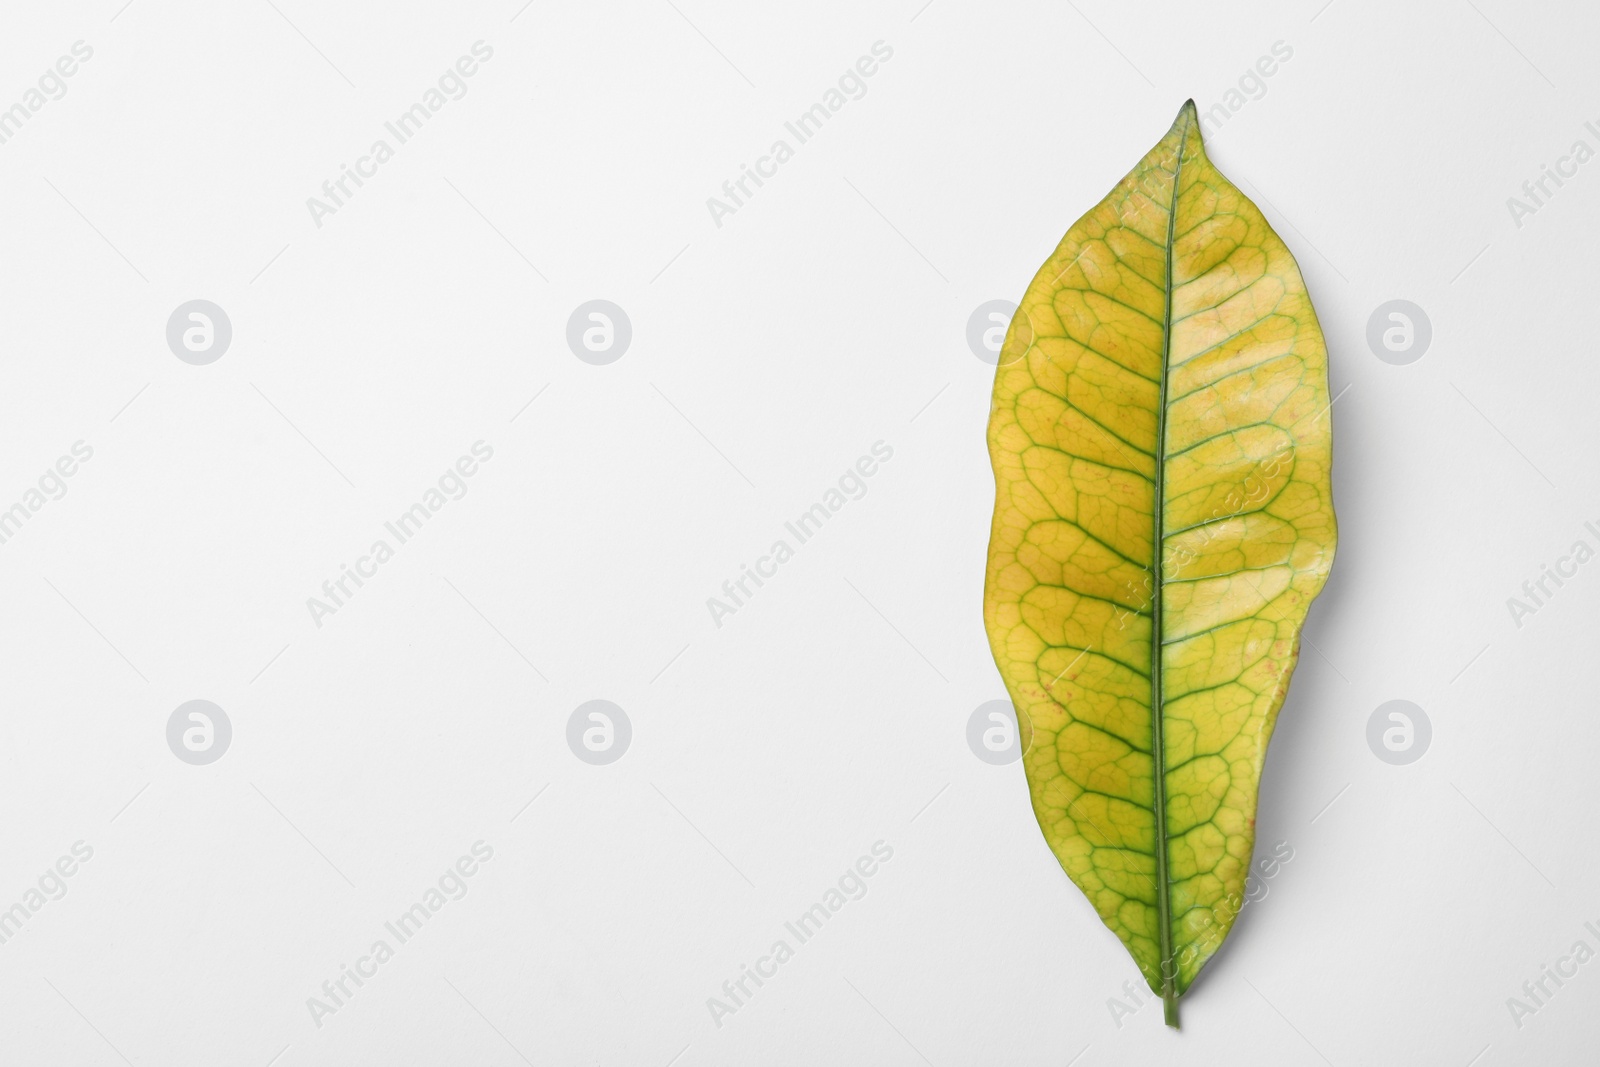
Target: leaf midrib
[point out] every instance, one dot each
(1157, 740)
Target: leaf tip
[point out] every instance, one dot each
(1187, 127)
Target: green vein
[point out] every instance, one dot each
(1169, 993)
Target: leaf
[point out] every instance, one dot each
(1163, 383)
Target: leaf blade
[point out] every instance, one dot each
(1161, 449)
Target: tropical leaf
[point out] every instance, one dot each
(1162, 389)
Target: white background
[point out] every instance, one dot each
(768, 354)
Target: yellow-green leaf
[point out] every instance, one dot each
(1162, 392)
